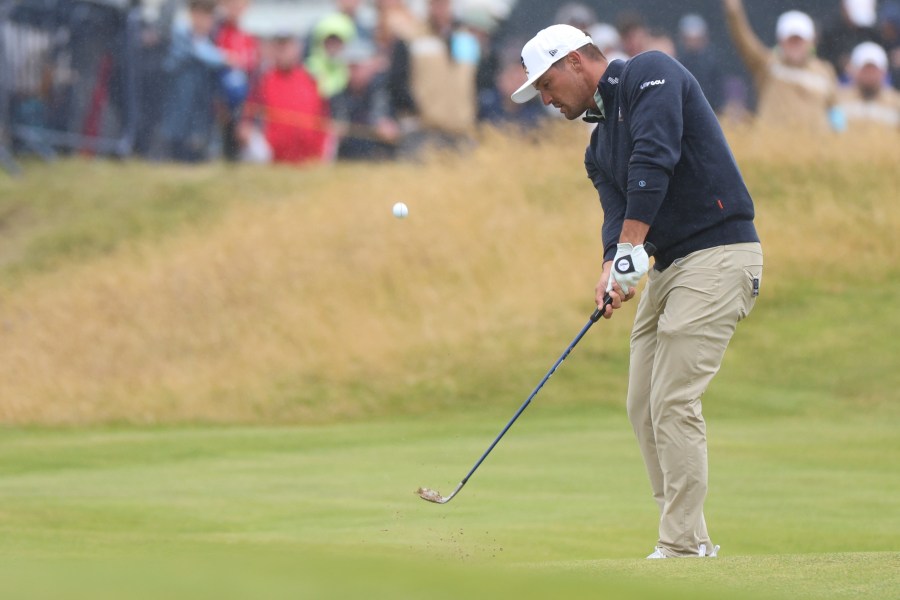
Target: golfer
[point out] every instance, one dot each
(666, 177)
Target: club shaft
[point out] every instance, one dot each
(594, 318)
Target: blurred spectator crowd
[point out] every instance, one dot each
(376, 80)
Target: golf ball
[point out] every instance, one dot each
(401, 210)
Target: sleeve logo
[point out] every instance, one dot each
(647, 84)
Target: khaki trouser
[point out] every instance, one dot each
(685, 319)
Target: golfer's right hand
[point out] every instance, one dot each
(618, 297)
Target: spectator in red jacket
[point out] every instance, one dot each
(294, 119)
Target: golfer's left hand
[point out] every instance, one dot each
(630, 264)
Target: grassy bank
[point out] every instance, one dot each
(148, 294)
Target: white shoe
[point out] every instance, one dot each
(714, 552)
(657, 553)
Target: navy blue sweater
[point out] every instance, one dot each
(660, 157)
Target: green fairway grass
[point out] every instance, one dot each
(802, 509)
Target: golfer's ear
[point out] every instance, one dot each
(575, 60)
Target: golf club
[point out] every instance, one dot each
(435, 496)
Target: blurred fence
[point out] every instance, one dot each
(68, 77)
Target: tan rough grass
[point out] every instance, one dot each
(313, 281)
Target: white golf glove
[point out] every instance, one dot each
(630, 264)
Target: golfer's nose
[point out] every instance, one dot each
(546, 98)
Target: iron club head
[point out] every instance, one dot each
(435, 496)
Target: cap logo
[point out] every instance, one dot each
(553, 52)
(524, 66)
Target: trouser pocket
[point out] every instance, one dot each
(752, 286)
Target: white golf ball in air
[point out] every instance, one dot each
(401, 210)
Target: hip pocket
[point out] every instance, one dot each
(752, 285)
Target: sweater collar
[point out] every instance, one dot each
(606, 91)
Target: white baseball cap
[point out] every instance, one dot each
(795, 23)
(861, 12)
(869, 53)
(548, 46)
